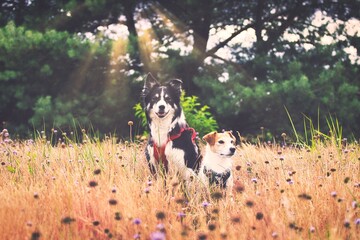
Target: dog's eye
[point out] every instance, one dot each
(221, 142)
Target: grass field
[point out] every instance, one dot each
(103, 189)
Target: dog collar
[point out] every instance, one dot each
(219, 179)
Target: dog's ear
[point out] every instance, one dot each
(210, 138)
(150, 82)
(231, 135)
(176, 84)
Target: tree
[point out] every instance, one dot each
(262, 75)
(55, 78)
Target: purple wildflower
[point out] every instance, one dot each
(160, 227)
(357, 222)
(274, 234)
(205, 204)
(137, 221)
(181, 214)
(157, 236)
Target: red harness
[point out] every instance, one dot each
(159, 152)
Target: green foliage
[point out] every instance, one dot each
(140, 114)
(313, 135)
(197, 116)
(248, 103)
(54, 78)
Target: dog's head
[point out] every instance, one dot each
(222, 144)
(161, 101)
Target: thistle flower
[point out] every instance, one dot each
(333, 194)
(160, 227)
(181, 215)
(137, 221)
(157, 236)
(205, 204)
(357, 222)
(274, 235)
(312, 229)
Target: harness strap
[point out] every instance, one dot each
(177, 135)
(159, 152)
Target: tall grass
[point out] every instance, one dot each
(103, 189)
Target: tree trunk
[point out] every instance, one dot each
(129, 9)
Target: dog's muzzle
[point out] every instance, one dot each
(161, 113)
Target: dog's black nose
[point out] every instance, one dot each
(162, 107)
(232, 150)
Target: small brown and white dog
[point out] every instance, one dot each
(216, 168)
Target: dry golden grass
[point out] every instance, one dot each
(101, 190)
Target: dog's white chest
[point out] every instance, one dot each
(160, 131)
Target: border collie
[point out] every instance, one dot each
(171, 142)
(216, 168)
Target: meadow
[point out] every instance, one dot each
(104, 189)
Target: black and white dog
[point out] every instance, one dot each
(172, 142)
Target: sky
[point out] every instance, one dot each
(246, 38)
